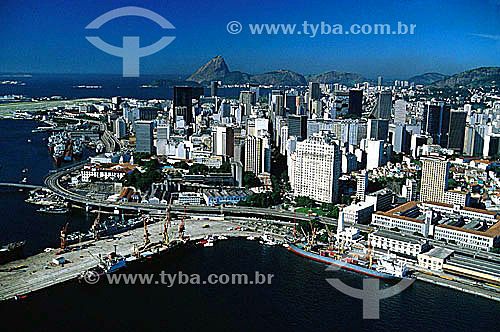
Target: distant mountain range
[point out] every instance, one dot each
(471, 78)
(217, 70)
(427, 78)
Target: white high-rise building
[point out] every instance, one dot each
(361, 185)
(223, 141)
(400, 111)
(120, 128)
(258, 154)
(409, 190)
(374, 153)
(434, 179)
(316, 164)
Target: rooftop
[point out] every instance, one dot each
(439, 252)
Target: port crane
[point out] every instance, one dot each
(95, 226)
(146, 234)
(166, 223)
(64, 232)
(181, 226)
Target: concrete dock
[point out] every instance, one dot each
(41, 273)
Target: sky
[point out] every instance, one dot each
(450, 36)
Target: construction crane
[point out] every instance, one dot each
(330, 237)
(146, 234)
(370, 257)
(181, 226)
(294, 224)
(64, 232)
(95, 226)
(166, 223)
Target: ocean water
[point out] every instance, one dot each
(298, 298)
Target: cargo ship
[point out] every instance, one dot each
(11, 251)
(386, 267)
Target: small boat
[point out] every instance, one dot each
(222, 237)
(25, 170)
(24, 180)
(29, 140)
(53, 210)
(209, 244)
(251, 238)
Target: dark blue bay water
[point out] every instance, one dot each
(46, 85)
(299, 298)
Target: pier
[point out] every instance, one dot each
(20, 186)
(40, 273)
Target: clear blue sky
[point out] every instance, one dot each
(49, 36)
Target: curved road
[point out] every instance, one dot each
(52, 182)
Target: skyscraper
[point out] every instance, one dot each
(257, 154)
(297, 126)
(456, 134)
(378, 129)
(434, 179)
(400, 111)
(436, 122)
(361, 185)
(214, 87)
(144, 136)
(355, 102)
(379, 81)
(183, 97)
(316, 168)
(223, 141)
(384, 105)
(314, 95)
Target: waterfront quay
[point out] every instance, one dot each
(38, 272)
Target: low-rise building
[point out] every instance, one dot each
(434, 258)
(105, 171)
(225, 196)
(397, 243)
(190, 198)
(467, 227)
(358, 213)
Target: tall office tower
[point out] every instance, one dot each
(398, 137)
(297, 126)
(116, 101)
(291, 102)
(247, 99)
(434, 179)
(361, 185)
(409, 190)
(456, 133)
(223, 141)
(283, 137)
(378, 129)
(144, 136)
(379, 81)
(436, 122)
(316, 164)
(384, 105)
(120, 128)
(225, 109)
(276, 102)
(400, 111)
(183, 97)
(163, 134)
(255, 88)
(374, 153)
(355, 102)
(257, 154)
(214, 87)
(314, 95)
